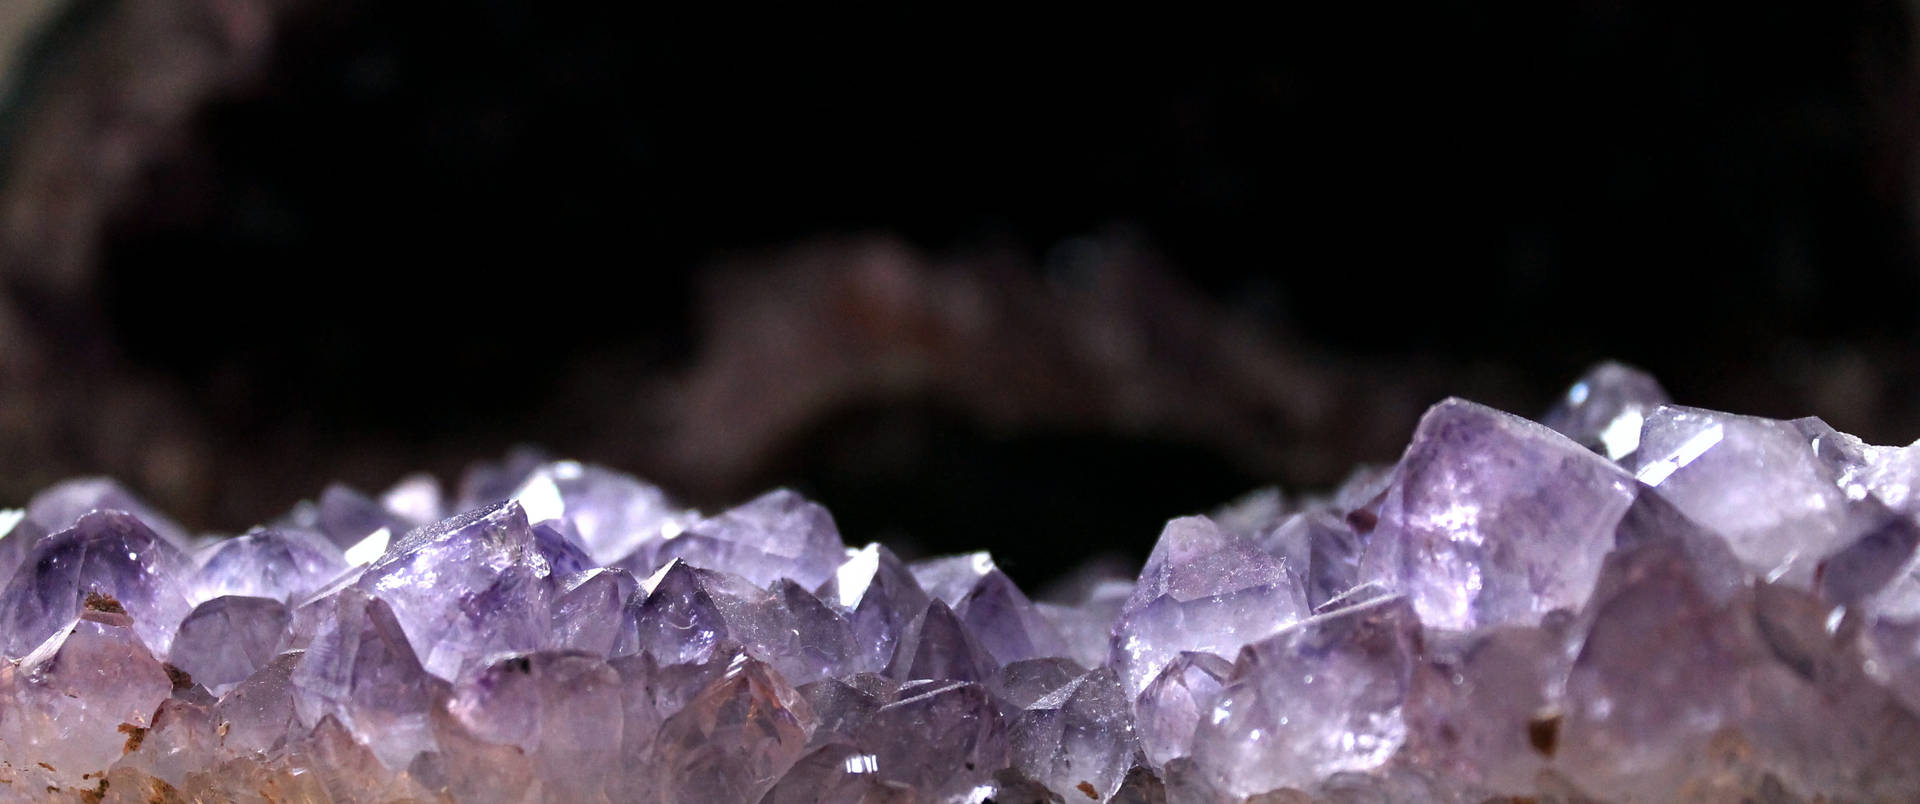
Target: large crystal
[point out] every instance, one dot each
(1202, 590)
(105, 553)
(1323, 697)
(70, 705)
(1493, 519)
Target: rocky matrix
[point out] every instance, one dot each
(1627, 600)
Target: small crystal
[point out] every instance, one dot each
(1604, 409)
(1078, 739)
(1172, 705)
(224, 640)
(1323, 697)
(60, 506)
(1201, 590)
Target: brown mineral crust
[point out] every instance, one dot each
(104, 603)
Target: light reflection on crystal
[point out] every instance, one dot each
(1637, 601)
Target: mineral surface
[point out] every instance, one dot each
(1627, 600)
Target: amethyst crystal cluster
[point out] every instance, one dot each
(1628, 600)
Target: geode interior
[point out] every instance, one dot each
(1627, 600)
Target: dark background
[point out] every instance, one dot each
(974, 281)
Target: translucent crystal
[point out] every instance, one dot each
(105, 553)
(613, 514)
(1323, 697)
(1493, 519)
(360, 670)
(1201, 590)
(734, 740)
(1172, 705)
(60, 506)
(224, 640)
(776, 535)
(284, 564)
(1604, 409)
(71, 704)
(1078, 739)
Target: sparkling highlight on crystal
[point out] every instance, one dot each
(1625, 601)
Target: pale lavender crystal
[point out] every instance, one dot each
(486, 483)
(1086, 625)
(1488, 714)
(734, 740)
(513, 615)
(612, 514)
(1659, 673)
(108, 553)
(346, 516)
(257, 715)
(938, 646)
(1324, 544)
(942, 738)
(589, 614)
(1077, 740)
(1320, 698)
(1493, 519)
(776, 535)
(1253, 514)
(553, 708)
(1019, 684)
(68, 703)
(1006, 622)
(1201, 590)
(950, 578)
(564, 554)
(677, 620)
(361, 670)
(226, 639)
(59, 506)
(452, 560)
(1604, 409)
(1757, 482)
(1172, 705)
(285, 564)
(880, 598)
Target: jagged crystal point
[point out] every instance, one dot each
(1633, 601)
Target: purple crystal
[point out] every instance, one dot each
(224, 640)
(734, 740)
(1201, 590)
(552, 707)
(453, 560)
(69, 702)
(105, 553)
(1172, 705)
(589, 614)
(1757, 482)
(283, 564)
(257, 715)
(776, 535)
(881, 598)
(60, 506)
(938, 646)
(944, 739)
(1493, 519)
(1078, 739)
(1323, 697)
(613, 514)
(361, 670)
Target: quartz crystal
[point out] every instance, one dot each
(1626, 601)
